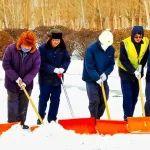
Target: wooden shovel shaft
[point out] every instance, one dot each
(32, 104)
(105, 101)
(141, 97)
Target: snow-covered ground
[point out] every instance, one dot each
(53, 136)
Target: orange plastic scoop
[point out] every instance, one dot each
(111, 127)
(139, 124)
(80, 125)
(5, 126)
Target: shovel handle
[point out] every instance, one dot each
(67, 97)
(141, 97)
(105, 101)
(32, 103)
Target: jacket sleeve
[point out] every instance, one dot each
(35, 69)
(148, 69)
(90, 66)
(145, 57)
(45, 67)
(7, 65)
(110, 67)
(66, 60)
(124, 59)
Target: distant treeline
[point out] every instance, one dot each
(75, 14)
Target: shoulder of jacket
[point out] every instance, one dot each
(146, 39)
(92, 46)
(42, 46)
(12, 46)
(127, 39)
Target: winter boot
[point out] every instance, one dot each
(25, 126)
(39, 122)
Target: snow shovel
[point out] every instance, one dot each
(34, 108)
(79, 125)
(6, 126)
(139, 124)
(110, 126)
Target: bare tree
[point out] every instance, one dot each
(5, 19)
(83, 14)
(146, 5)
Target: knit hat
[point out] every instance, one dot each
(106, 39)
(137, 30)
(55, 34)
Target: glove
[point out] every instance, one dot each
(61, 70)
(56, 70)
(20, 83)
(139, 68)
(103, 77)
(100, 81)
(18, 80)
(137, 74)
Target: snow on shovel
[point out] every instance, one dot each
(110, 126)
(139, 124)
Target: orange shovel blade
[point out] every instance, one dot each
(79, 125)
(111, 127)
(139, 124)
(5, 126)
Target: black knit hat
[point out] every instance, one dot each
(55, 34)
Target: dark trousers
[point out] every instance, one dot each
(130, 91)
(147, 103)
(96, 101)
(53, 93)
(17, 106)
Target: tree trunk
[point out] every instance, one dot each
(42, 11)
(147, 13)
(115, 21)
(83, 15)
(5, 16)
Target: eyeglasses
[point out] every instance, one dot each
(138, 37)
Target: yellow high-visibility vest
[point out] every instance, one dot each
(133, 57)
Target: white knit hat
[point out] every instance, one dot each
(106, 39)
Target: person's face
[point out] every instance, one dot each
(55, 42)
(138, 38)
(26, 46)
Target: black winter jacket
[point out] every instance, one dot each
(52, 58)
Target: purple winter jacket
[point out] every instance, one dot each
(16, 66)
